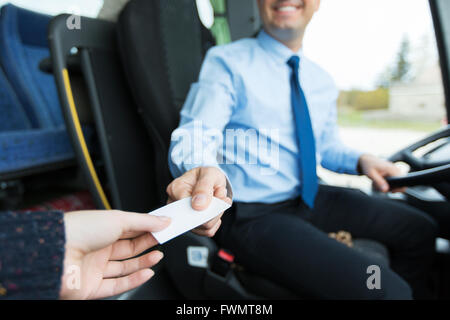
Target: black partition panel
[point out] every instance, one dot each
(126, 150)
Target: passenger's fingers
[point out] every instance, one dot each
(138, 222)
(115, 269)
(104, 228)
(112, 287)
(124, 249)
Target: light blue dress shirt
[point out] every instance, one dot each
(238, 117)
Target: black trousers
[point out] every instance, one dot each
(289, 244)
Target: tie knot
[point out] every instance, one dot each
(294, 62)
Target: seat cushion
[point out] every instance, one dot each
(31, 149)
(20, 150)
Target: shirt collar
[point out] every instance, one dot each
(276, 49)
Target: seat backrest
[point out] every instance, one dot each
(12, 115)
(162, 44)
(23, 45)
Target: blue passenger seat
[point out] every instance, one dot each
(32, 130)
(12, 116)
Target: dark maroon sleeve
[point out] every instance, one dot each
(31, 254)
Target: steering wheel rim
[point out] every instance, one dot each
(406, 155)
(424, 172)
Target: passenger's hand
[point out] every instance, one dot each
(100, 249)
(202, 184)
(377, 170)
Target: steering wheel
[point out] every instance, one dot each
(425, 170)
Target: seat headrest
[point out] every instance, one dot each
(162, 44)
(23, 45)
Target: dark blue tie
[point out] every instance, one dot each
(305, 136)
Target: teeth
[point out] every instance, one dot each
(287, 9)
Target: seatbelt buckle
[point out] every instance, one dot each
(222, 263)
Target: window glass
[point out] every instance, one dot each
(87, 8)
(383, 57)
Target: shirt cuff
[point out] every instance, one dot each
(352, 159)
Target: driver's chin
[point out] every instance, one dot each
(291, 26)
(285, 32)
(288, 26)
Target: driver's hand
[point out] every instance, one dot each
(377, 170)
(202, 184)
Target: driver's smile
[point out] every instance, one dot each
(288, 7)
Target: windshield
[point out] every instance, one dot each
(385, 62)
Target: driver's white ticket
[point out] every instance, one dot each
(184, 218)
